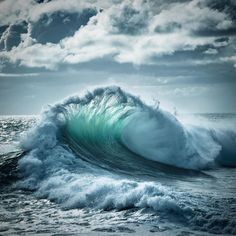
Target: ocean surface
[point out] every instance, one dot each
(108, 164)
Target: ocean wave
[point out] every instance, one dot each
(111, 127)
(83, 151)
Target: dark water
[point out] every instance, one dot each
(113, 166)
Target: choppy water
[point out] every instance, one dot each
(107, 164)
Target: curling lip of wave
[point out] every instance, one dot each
(110, 126)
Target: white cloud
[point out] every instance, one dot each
(211, 51)
(189, 17)
(48, 56)
(18, 75)
(15, 11)
(231, 59)
(127, 32)
(58, 5)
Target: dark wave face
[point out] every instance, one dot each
(108, 150)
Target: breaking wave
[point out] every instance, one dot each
(83, 151)
(110, 127)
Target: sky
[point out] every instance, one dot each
(181, 52)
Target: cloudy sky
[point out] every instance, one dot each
(180, 52)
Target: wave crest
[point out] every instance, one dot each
(110, 126)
